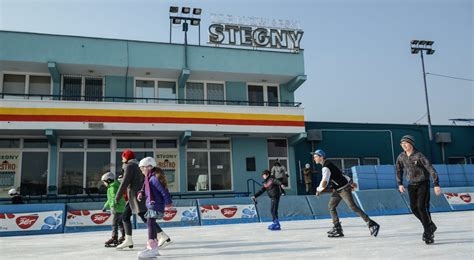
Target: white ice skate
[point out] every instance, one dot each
(127, 243)
(163, 240)
(150, 251)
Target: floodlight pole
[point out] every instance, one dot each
(430, 132)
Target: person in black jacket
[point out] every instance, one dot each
(417, 170)
(342, 190)
(273, 187)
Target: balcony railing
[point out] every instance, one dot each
(148, 100)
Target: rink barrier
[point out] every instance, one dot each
(460, 198)
(320, 209)
(291, 208)
(183, 213)
(31, 219)
(77, 217)
(227, 211)
(382, 202)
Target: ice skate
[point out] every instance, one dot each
(127, 243)
(113, 242)
(374, 228)
(428, 238)
(275, 225)
(163, 240)
(151, 250)
(336, 231)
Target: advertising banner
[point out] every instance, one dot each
(31, 221)
(178, 214)
(82, 218)
(212, 212)
(454, 198)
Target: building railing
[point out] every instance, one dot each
(4, 95)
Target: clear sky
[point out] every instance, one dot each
(357, 53)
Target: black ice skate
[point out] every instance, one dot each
(121, 239)
(336, 231)
(428, 238)
(374, 228)
(113, 242)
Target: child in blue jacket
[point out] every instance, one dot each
(157, 197)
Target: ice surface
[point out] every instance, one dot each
(399, 238)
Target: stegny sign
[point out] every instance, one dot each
(254, 32)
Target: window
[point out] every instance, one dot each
(76, 87)
(34, 173)
(130, 144)
(81, 165)
(197, 92)
(261, 95)
(209, 165)
(371, 161)
(456, 160)
(35, 143)
(19, 85)
(9, 143)
(165, 91)
(472, 159)
(278, 150)
(166, 143)
(345, 164)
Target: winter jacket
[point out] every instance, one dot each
(158, 196)
(416, 167)
(132, 182)
(272, 186)
(111, 193)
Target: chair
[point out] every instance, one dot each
(201, 183)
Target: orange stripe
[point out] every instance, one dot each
(164, 120)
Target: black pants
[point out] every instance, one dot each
(116, 224)
(127, 220)
(419, 194)
(274, 208)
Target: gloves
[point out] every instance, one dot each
(318, 193)
(104, 209)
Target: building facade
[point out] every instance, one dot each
(212, 117)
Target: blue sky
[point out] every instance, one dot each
(357, 53)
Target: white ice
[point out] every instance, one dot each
(399, 238)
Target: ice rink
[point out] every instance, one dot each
(399, 238)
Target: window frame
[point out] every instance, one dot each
(27, 80)
(156, 89)
(83, 86)
(205, 82)
(265, 86)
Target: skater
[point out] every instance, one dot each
(278, 171)
(273, 187)
(116, 208)
(15, 196)
(417, 170)
(157, 198)
(342, 190)
(308, 178)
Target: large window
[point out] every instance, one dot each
(81, 165)
(151, 88)
(209, 165)
(34, 167)
(76, 87)
(35, 85)
(197, 92)
(141, 147)
(345, 164)
(263, 95)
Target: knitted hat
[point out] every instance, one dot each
(128, 154)
(408, 138)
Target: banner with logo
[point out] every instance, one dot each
(454, 198)
(9, 168)
(168, 161)
(178, 214)
(31, 221)
(83, 218)
(212, 212)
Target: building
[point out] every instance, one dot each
(213, 117)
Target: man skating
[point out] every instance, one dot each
(342, 190)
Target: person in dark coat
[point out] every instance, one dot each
(273, 187)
